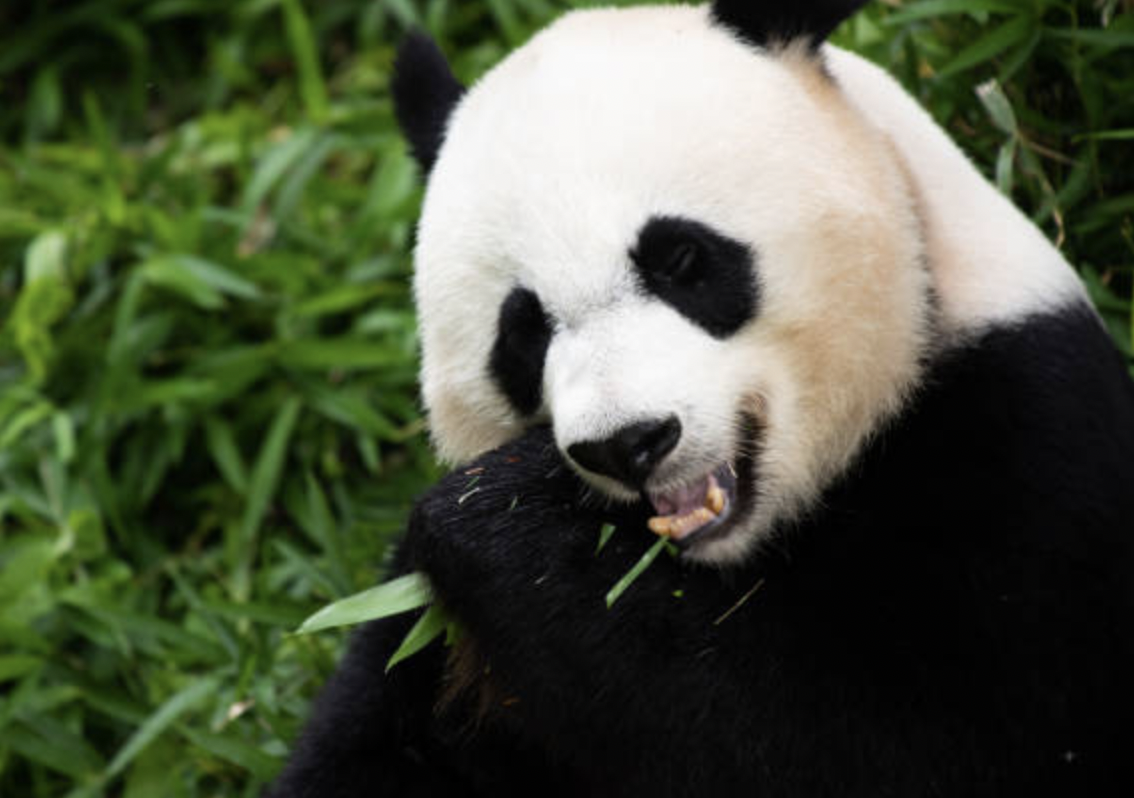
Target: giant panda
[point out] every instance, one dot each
(690, 271)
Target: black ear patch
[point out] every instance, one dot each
(769, 23)
(425, 94)
(523, 333)
(704, 275)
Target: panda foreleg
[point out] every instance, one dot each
(510, 546)
(371, 733)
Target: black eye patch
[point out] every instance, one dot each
(523, 332)
(703, 275)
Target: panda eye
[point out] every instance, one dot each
(681, 264)
(702, 274)
(523, 333)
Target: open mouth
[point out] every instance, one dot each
(707, 508)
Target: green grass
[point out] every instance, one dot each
(209, 425)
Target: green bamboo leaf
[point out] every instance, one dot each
(1021, 55)
(325, 354)
(46, 257)
(320, 522)
(272, 167)
(45, 104)
(999, 109)
(26, 564)
(605, 535)
(23, 421)
(394, 182)
(16, 666)
(145, 632)
(226, 454)
(639, 568)
(158, 722)
(63, 429)
(218, 277)
(1109, 38)
(173, 275)
(312, 87)
(274, 613)
(199, 280)
(990, 45)
(62, 751)
(220, 630)
(350, 407)
(305, 168)
(1108, 135)
(344, 298)
(1005, 167)
(266, 472)
(911, 12)
(431, 625)
(400, 595)
(155, 393)
(232, 749)
(507, 20)
(44, 300)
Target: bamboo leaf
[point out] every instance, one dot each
(605, 534)
(266, 473)
(400, 595)
(226, 454)
(158, 722)
(927, 9)
(232, 749)
(431, 625)
(990, 45)
(306, 53)
(639, 568)
(999, 109)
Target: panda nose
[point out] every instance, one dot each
(631, 453)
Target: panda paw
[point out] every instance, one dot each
(510, 544)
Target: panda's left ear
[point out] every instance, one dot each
(776, 23)
(425, 94)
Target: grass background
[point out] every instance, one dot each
(209, 424)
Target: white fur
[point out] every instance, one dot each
(556, 158)
(990, 263)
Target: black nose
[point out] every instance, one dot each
(630, 454)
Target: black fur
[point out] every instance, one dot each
(957, 619)
(523, 333)
(704, 275)
(770, 23)
(425, 93)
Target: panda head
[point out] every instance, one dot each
(664, 232)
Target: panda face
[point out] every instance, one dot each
(688, 254)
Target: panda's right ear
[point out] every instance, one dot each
(425, 93)
(776, 23)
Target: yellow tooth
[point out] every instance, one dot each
(714, 500)
(661, 525)
(699, 517)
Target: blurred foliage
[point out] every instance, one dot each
(208, 417)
